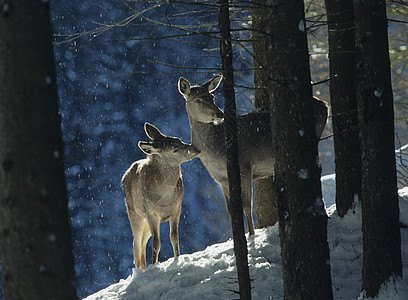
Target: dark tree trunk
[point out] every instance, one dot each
(381, 231)
(35, 248)
(265, 203)
(340, 19)
(302, 216)
(234, 176)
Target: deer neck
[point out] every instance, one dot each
(208, 138)
(163, 184)
(202, 134)
(165, 171)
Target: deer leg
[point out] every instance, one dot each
(136, 223)
(174, 235)
(137, 252)
(145, 237)
(154, 225)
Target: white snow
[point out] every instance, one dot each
(329, 189)
(402, 166)
(395, 289)
(211, 274)
(329, 181)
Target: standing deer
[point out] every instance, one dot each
(254, 139)
(153, 191)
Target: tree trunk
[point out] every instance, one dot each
(381, 231)
(265, 203)
(35, 248)
(231, 141)
(340, 19)
(302, 216)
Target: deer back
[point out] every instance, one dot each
(150, 184)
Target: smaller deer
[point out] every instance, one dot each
(153, 191)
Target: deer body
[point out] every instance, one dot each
(256, 154)
(254, 139)
(153, 191)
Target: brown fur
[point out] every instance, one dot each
(254, 139)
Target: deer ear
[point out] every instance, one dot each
(151, 131)
(184, 86)
(146, 147)
(213, 83)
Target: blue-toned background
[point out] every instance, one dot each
(110, 83)
(108, 88)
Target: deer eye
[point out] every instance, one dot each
(175, 150)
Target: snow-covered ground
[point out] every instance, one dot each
(211, 274)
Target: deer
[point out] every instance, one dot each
(153, 190)
(254, 139)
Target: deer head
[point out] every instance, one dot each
(200, 103)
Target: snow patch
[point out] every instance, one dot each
(394, 289)
(211, 273)
(208, 274)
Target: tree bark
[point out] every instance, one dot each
(234, 175)
(35, 248)
(340, 20)
(381, 231)
(302, 216)
(265, 202)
